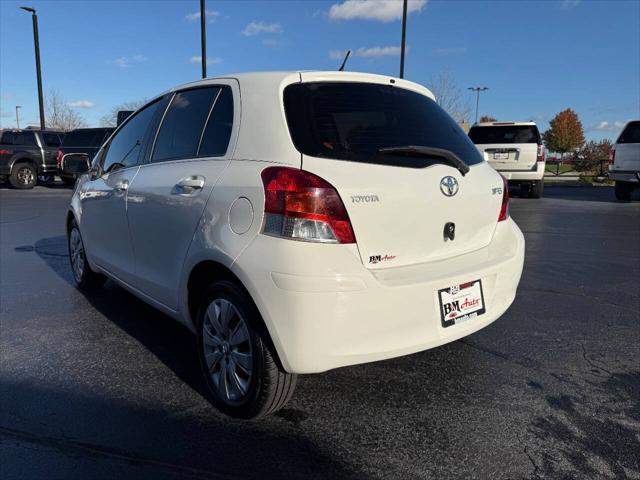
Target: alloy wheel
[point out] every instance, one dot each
(25, 176)
(76, 253)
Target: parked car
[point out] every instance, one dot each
(82, 140)
(27, 154)
(624, 164)
(515, 150)
(297, 222)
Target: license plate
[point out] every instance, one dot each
(501, 156)
(461, 303)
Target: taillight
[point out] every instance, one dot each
(612, 156)
(541, 154)
(59, 156)
(504, 208)
(303, 206)
(5, 152)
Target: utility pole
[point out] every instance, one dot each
(17, 116)
(478, 90)
(203, 38)
(404, 35)
(36, 43)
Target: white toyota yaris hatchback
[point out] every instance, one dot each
(297, 222)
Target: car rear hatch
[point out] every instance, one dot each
(507, 146)
(399, 204)
(627, 156)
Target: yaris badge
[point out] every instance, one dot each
(449, 186)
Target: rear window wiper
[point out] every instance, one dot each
(420, 151)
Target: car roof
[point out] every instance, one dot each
(270, 79)
(503, 124)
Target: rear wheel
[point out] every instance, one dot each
(240, 367)
(23, 176)
(85, 278)
(623, 190)
(536, 189)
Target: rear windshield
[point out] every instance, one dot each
(505, 134)
(352, 121)
(86, 138)
(631, 134)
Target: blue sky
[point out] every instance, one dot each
(536, 57)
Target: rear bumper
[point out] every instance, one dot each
(630, 176)
(524, 175)
(325, 310)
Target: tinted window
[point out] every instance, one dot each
(124, 149)
(91, 137)
(217, 133)
(182, 126)
(505, 134)
(27, 139)
(51, 139)
(352, 121)
(631, 133)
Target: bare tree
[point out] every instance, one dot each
(450, 97)
(61, 116)
(110, 119)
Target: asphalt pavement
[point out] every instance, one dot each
(104, 386)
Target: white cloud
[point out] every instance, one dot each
(449, 51)
(81, 104)
(569, 4)
(256, 28)
(381, 10)
(367, 52)
(607, 126)
(128, 61)
(210, 60)
(210, 16)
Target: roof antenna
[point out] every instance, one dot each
(344, 62)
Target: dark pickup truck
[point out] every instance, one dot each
(27, 154)
(82, 140)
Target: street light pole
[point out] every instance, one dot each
(203, 38)
(36, 43)
(478, 90)
(17, 116)
(404, 35)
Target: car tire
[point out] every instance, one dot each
(623, 191)
(23, 176)
(243, 375)
(536, 189)
(85, 278)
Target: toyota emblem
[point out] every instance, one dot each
(449, 186)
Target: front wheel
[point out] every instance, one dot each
(240, 367)
(85, 278)
(623, 191)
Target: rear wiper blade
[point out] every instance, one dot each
(418, 150)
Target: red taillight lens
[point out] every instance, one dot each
(504, 209)
(5, 152)
(612, 156)
(541, 154)
(59, 156)
(303, 206)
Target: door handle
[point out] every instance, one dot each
(189, 185)
(121, 186)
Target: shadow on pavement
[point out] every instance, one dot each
(585, 194)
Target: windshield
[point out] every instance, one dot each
(353, 121)
(505, 134)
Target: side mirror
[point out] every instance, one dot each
(75, 163)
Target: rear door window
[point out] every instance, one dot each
(26, 138)
(353, 121)
(51, 139)
(631, 134)
(181, 130)
(505, 134)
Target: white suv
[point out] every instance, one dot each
(624, 165)
(297, 222)
(515, 150)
